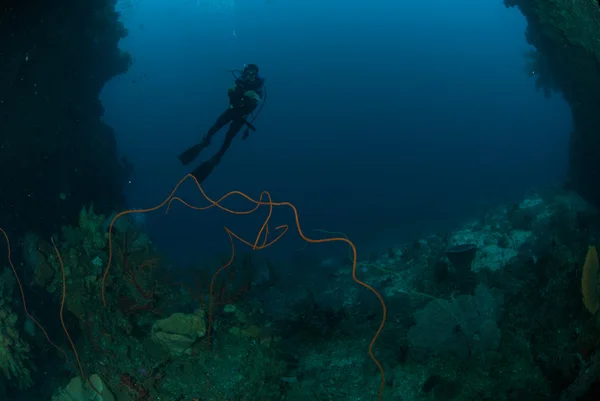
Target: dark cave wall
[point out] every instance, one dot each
(56, 154)
(566, 33)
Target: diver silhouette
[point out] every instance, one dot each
(244, 96)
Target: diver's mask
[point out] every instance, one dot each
(250, 72)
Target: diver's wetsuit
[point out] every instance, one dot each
(240, 106)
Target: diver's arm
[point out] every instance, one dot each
(253, 96)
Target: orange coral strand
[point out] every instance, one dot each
(62, 306)
(12, 266)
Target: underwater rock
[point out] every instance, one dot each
(77, 390)
(179, 332)
(491, 255)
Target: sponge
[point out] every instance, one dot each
(589, 281)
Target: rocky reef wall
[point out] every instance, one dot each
(55, 151)
(565, 34)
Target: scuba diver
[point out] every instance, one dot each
(244, 96)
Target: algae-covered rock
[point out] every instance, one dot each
(179, 332)
(78, 390)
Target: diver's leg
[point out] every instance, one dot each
(234, 128)
(223, 120)
(190, 154)
(204, 170)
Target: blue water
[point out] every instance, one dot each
(385, 120)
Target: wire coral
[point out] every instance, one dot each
(25, 377)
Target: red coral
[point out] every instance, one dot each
(138, 392)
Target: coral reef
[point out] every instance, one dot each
(496, 309)
(518, 332)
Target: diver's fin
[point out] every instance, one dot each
(203, 171)
(189, 155)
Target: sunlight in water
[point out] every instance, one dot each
(208, 5)
(217, 5)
